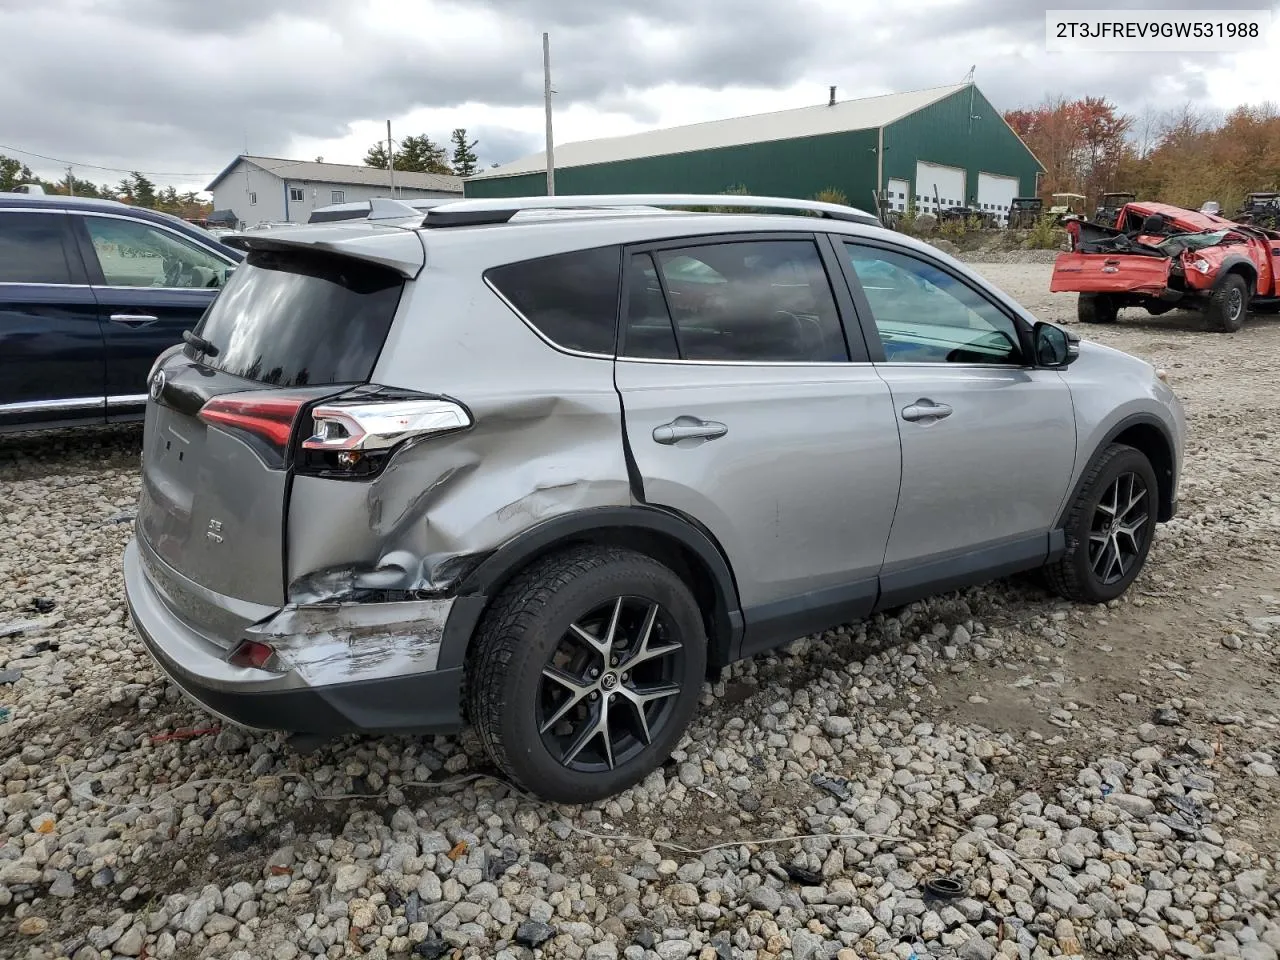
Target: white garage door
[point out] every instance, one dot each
(896, 198)
(949, 182)
(995, 193)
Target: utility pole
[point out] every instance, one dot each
(391, 163)
(71, 183)
(546, 96)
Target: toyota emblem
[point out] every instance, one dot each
(157, 385)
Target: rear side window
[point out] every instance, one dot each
(570, 298)
(33, 248)
(753, 301)
(302, 318)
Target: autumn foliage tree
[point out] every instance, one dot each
(1183, 157)
(1082, 143)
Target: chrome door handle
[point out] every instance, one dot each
(133, 319)
(925, 409)
(688, 428)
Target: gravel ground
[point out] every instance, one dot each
(1101, 782)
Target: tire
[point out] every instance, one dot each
(1228, 304)
(1087, 571)
(1096, 308)
(556, 614)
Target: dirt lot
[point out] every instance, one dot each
(1101, 780)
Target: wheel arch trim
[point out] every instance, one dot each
(483, 582)
(1167, 483)
(1237, 265)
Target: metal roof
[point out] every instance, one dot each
(348, 173)
(862, 114)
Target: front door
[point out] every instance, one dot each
(744, 413)
(51, 354)
(988, 444)
(151, 284)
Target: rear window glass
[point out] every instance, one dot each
(570, 298)
(33, 248)
(297, 319)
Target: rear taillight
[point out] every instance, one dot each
(251, 653)
(354, 438)
(264, 418)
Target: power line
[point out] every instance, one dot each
(96, 166)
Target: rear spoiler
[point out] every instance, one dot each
(380, 243)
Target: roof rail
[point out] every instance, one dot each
(462, 213)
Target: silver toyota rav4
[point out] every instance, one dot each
(540, 464)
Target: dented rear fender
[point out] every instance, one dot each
(442, 505)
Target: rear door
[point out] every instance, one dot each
(151, 284)
(51, 347)
(746, 410)
(1109, 273)
(290, 327)
(988, 444)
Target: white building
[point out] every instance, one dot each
(270, 189)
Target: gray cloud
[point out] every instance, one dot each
(502, 145)
(182, 85)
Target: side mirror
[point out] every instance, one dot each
(1054, 346)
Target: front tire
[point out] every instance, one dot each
(1228, 304)
(585, 672)
(1096, 308)
(1109, 528)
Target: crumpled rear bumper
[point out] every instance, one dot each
(339, 668)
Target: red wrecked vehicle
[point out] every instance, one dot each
(1161, 257)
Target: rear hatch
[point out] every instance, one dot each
(295, 324)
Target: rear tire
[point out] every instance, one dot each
(1096, 308)
(1228, 304)
(564, 713)
(1109, 528)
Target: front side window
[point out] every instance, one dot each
(135, 254)
(295, 194)
(758, 301)
(33, 248)
(570, 298)
(925, 315)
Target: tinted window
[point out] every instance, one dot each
(649, 332)
(571, 298)
(926, 315)
(33, 248)
(758, 301)
(134, 254)
(295, 319)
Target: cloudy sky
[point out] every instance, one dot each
(177, 88)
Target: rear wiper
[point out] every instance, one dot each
(200, 343)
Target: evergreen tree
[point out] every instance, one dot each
(464, 157)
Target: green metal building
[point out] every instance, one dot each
(946, 146)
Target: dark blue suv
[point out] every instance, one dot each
(91, 292)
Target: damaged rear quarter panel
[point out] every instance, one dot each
(546, 441)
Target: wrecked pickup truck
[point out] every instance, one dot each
(1162, 257)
